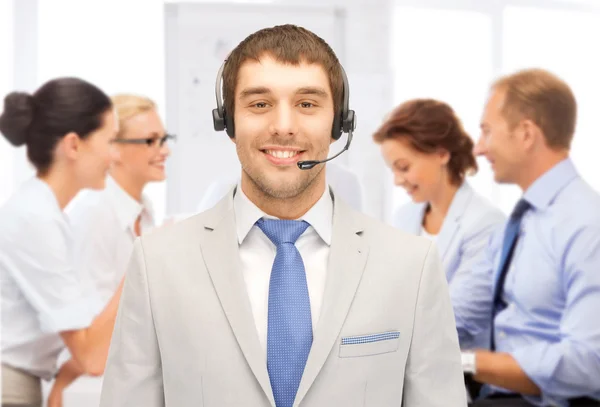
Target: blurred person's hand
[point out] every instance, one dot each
(55, 398)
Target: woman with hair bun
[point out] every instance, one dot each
(67, 126)
(430, 154)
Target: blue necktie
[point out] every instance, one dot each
(289, 332)
(511, 235)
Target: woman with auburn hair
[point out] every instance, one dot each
(430, 154)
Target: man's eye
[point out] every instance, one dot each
(260, 105)
(306, 104)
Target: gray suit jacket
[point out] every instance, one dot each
(185, 335)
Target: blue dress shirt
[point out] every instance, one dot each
(551, 325)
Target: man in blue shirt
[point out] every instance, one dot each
(538, 286)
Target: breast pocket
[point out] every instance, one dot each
(370, 344)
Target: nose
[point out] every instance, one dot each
(284, 121)
(399, 180)
(479, 148)
(165, 150)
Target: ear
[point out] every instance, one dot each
(69, 146)
(530, 134)
(444, 156)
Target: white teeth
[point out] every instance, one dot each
(281, 153)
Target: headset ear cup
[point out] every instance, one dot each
(229, 124)
(349, 122)
(336, 131)
(218, 121)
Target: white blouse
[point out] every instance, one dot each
(41, 293)
(104, 231)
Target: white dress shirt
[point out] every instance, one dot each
(41, 294)
(104, 231)
(257, 254)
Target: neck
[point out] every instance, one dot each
(534, 169)
(285, 208)
(63, 185)
(133, 187)
(440, 203)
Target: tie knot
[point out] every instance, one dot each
(520, 208)
(282, 231)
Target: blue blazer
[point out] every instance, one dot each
(470, 221)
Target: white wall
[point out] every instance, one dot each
(117, 45)
(6, 85)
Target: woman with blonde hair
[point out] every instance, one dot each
(106, 222)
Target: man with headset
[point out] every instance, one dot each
(282, 295)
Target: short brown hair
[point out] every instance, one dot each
(543, 98)
(429, 125)
(288, 44)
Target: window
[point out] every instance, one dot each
(446, 55)
(6, 79)
(563, 42)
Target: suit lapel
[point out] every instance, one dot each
(347, 259)
(452, 221)
(221, 255)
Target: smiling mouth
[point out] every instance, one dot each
(282, 157)
(282, 153)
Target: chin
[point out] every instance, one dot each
(282, 187)
(155, 176)
(418, 199)
(500, 178)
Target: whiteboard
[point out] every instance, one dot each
(198, 38)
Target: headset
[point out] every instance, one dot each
(342, 123)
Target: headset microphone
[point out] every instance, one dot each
(307, 165)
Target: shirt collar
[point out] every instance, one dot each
(543, 191)
(320, 216)
(128, 209)
(49, 196)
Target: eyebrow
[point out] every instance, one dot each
(260, 90)
(312, 90)
(153, 134)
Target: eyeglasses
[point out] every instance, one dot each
(150, 141)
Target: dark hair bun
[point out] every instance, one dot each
(17, 117)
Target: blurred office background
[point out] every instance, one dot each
(392, 50)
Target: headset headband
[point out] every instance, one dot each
(343, 123)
